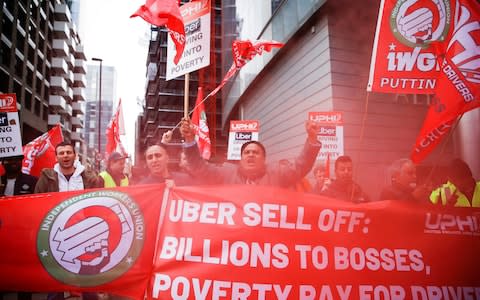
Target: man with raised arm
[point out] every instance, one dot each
(252, 168)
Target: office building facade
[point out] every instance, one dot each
(108, 98)
(42, 62)
(163, 106)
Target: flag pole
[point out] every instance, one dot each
(442, 149)
(185, 98)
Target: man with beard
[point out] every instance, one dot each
(14, 182)
(403, 173)
(343, 187)
(68, 174)
(252, 168)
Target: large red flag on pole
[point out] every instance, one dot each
(458, 87)
(114, 130)
(165, 13)
(199, 120)
(243, 52)
(40, 153)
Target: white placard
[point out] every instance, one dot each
(10, 137)
(241, 131)
(330, 134)
(196, 55)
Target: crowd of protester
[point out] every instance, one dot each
(459, 187)
(68, 174)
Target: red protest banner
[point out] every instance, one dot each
(402, 59)
(255, 242)
(96, 240)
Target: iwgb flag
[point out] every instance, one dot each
(402, 59)
(40, 153)
(165, 13)
(115, 128)
(95, 240)
(199, 120)
(458, 88)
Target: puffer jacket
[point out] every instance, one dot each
(52, 180)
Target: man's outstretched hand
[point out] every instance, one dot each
(167, 137)
(187, 130)
(312, 130)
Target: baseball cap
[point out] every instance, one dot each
(114, 156)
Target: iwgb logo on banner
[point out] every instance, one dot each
(91, 239)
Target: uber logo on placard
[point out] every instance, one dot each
(3, 119)
(243, 136)
(327, 130)
(193, 27)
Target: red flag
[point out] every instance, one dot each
(459, 79)
(199, 120)
(243, 52)
(114, 129)
(165, 13)
(40, 153)
(402, 59)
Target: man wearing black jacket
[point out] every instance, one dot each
(14, 182)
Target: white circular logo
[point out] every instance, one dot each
(417, 23)
(92, 238)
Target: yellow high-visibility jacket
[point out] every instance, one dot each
(109, 182)
(448, 194)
